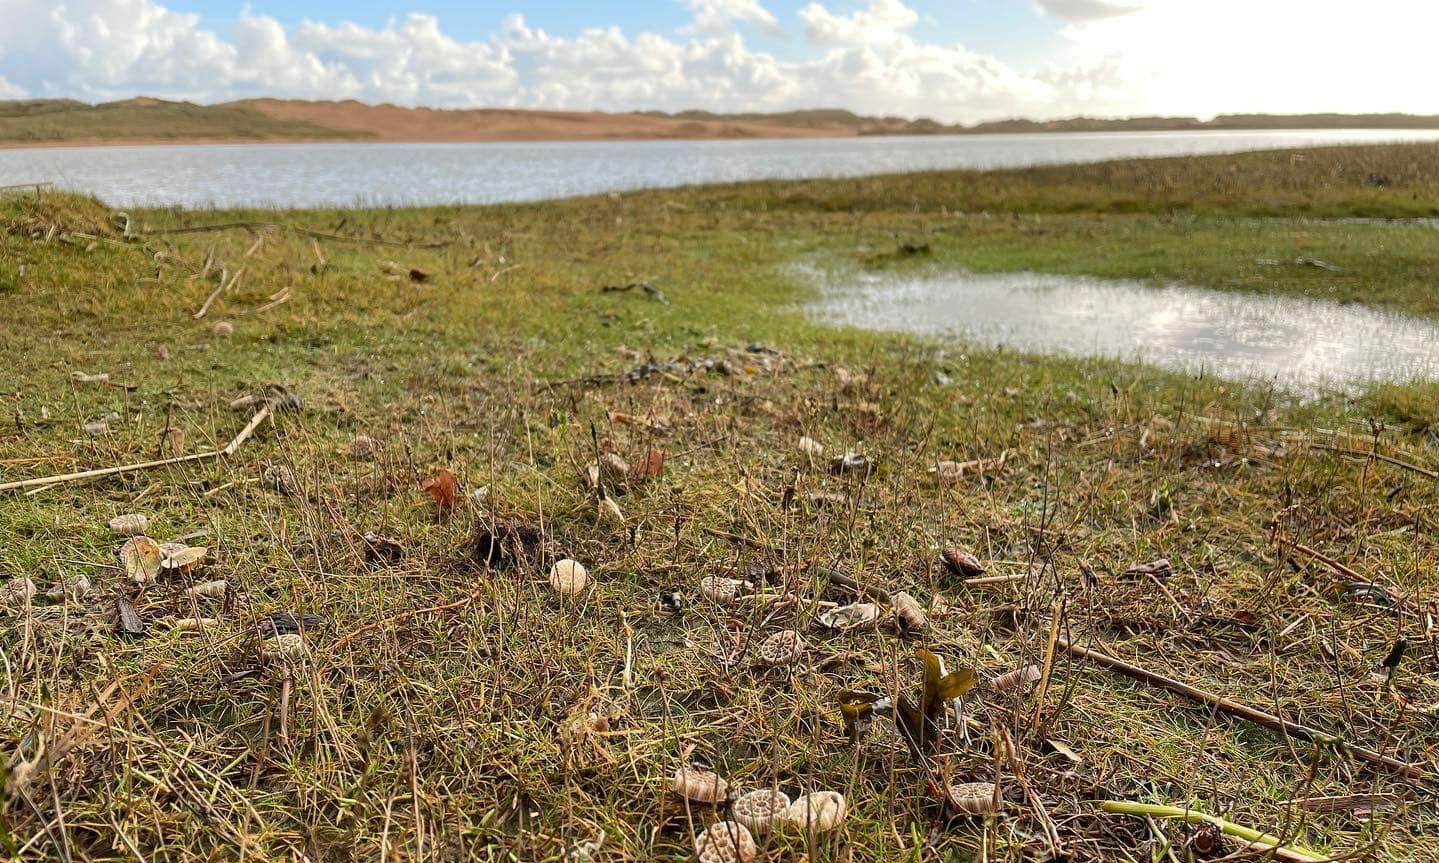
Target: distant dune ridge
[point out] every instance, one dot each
(42, 122)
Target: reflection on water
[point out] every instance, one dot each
(318, 175)
(1302, 345)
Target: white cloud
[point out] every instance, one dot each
(1160, 56)
(881, 21)
(10, 90)
(718, 16)
(1085, 10)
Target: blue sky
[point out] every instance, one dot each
(1005, 28)
(953, 60)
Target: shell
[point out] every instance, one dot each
(847, 618)
(74, 587)
(131, 524)
(280, 479)
(609, 511)
(224, 328)
(700, 786)
(569, 577)
(974, 798)
(363, 446)
(99, 428)
(961, 562)
(614, 470)
(140, 557)
(783, 648)
(720, 590)
(17, 592)
(819, 812)
(759, 810)
(1015, 679)
(179, 557)
(286, 648)
(908, 612)
(811, 447)
(211, 589)
(84, 378)
(192, 624)
(726, 842)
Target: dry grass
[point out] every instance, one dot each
(414, 734)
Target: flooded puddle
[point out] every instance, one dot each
(1305, 346)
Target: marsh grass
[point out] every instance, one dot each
(453, 735)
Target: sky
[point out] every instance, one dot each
(952, 60)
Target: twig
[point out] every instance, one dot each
(1389, 459)
(1257, 841)
(471, 597)
(1244, 711)
(219, 289)
(228, 451)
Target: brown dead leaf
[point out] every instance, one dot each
(649, 467)
(442, 488)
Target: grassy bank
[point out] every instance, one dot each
(450, 710)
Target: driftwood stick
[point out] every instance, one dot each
(1330, 562)
(843, 580)
(1389, 459)
(1244, 711)
(229, 450)
(219, 289)
(257, 226)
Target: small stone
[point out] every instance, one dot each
(820, 812)
(132, 524)
(569, 577)
(280, 479)
(224, 329)
(783, 648)
(726, 842)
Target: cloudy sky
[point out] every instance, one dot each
(955, 60)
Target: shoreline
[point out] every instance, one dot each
(798, 134)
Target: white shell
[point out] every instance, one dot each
(726, 842)
(140, 557)
(17, 591)
(819, 812)
(569, 577)
(720, 590)
(211, 589)
(1015, 679)
(131, 524)
(285, 648)
(363, 446)
(180, 557)
(224, 328)
(783, 648)
(974, 798)
(74, 587)
(811, 447)
(84, 378)
(699, 785)
(759, 810)
(845, 618)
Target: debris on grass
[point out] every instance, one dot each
(569, 577)
(726, 842)
(130, 525)
(761, 810)
(698, 785)
(818, 813)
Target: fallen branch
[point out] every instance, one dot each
(1388, 459)
(228, 451)
(1244, 711)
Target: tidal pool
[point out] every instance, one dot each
(1304, 346)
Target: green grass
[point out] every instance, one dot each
(420, 735)
(46, 121)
